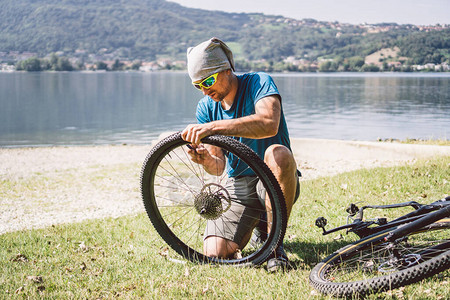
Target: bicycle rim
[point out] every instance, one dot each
(171, 186)
(373, 265)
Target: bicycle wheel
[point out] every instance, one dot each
(372, 265)
(180, 198)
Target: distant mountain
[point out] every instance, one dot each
(149, 29)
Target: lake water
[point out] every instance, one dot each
(74, 108)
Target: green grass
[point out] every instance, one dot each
(435, 142)
(125, 258)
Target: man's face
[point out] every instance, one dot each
(221, 87)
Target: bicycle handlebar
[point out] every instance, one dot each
(361, 227)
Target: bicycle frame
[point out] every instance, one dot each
(423, 215)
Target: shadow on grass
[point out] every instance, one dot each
(305, 255)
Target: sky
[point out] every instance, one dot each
(417, 12)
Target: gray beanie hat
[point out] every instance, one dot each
(208, 58)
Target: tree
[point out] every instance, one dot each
(328, 66)
(32, 64)
(63, 64)
(101, 65)
(117, 66)
(355, 63)
(53, 61)
(370, 68)
(136, 65)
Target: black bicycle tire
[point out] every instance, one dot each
(382, 283)
(251, 158)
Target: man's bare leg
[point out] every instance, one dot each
(215, 246)
(282, 164)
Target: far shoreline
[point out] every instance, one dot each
(293, 73)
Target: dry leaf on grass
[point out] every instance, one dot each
(83, 247)
(20, 258)
(36, 279)
(205, 289)
(164, 252)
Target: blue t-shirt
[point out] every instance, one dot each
(252, 88)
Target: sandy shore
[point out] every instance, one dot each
(55, 185)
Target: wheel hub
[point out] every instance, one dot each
(212, 201)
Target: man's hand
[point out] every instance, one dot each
(199, 154)
(193, 133)
(210, 157)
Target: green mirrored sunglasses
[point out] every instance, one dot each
(206, 83)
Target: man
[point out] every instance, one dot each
(247, 107)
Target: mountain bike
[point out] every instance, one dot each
(180, 198)
(390, 254)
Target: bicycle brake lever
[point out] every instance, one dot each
(321, 222)
(352, 209)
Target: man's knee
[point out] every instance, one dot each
(215, 246)
(280, 157)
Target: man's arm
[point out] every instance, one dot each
(264, 123)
